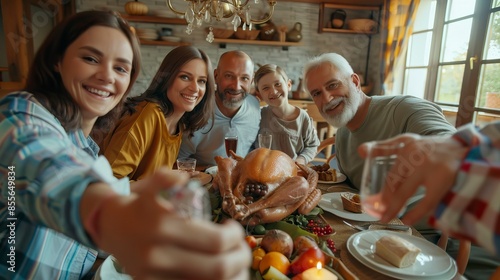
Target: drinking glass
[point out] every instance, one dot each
(186, 164)
(377, 172)
(231, 141)
(191, 201)
(265, 140)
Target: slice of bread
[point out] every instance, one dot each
(396, 250)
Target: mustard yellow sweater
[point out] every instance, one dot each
(141, 143)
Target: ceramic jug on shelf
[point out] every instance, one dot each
(267, 30)
(300, 93)
(338, 18)
(295, 35)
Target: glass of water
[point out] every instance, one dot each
(377, 172)
(191, 201)
(265, 140)
(186, 164)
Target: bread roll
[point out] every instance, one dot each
(351, 202)
(396, 250)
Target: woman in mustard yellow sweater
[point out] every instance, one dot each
(179, 100)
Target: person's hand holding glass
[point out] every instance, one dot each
(265, 139)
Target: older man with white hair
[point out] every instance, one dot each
(336, 91)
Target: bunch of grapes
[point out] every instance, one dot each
(331, 245)
(319, 229)
(253, 192)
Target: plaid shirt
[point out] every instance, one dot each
(471, 209)
(43, 172)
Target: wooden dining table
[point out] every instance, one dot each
(343, 232)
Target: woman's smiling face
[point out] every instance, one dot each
(189, 86)
(95, 70)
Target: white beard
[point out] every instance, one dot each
(351, 105)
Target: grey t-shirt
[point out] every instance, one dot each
(388, 116)
(295, 138)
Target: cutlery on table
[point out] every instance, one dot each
(388, 226)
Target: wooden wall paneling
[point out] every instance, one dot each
(16, 46)
(18, 27)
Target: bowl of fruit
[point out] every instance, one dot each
(293, 253)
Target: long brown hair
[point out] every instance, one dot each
(45, 82)
(164, 78)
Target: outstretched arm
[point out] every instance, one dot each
(150, 240)
(461, 175)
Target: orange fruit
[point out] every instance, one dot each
(275, 259)
(259, 252)
(256, 262)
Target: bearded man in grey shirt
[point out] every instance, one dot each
(336, 91)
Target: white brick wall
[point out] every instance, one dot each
(353, 47)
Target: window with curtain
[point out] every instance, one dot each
(453, 58)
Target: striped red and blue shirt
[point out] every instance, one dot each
(471, 209)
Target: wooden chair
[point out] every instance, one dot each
(462, 257)
(327, 130)
(327, 144)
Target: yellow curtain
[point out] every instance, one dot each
(398, 19)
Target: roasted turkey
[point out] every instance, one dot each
(265, 186)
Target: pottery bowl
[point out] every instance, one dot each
(362, 25)
(221, 33)
(246, 34)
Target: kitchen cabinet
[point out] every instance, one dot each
(369, 16)
(160, 20)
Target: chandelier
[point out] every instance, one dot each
(199, 11)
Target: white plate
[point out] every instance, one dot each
(212, 170)
(204, 178)
(331, 202)
(449, 274)
(340, 178)
(431, 261)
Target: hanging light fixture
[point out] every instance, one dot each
(199, 11)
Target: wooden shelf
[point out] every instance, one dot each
(284, 45)
(154, 19)
(162, 43)
(346, 31)
(161, 20)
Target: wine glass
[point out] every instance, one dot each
(231, 141)
(377, 172)
(265, 140)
